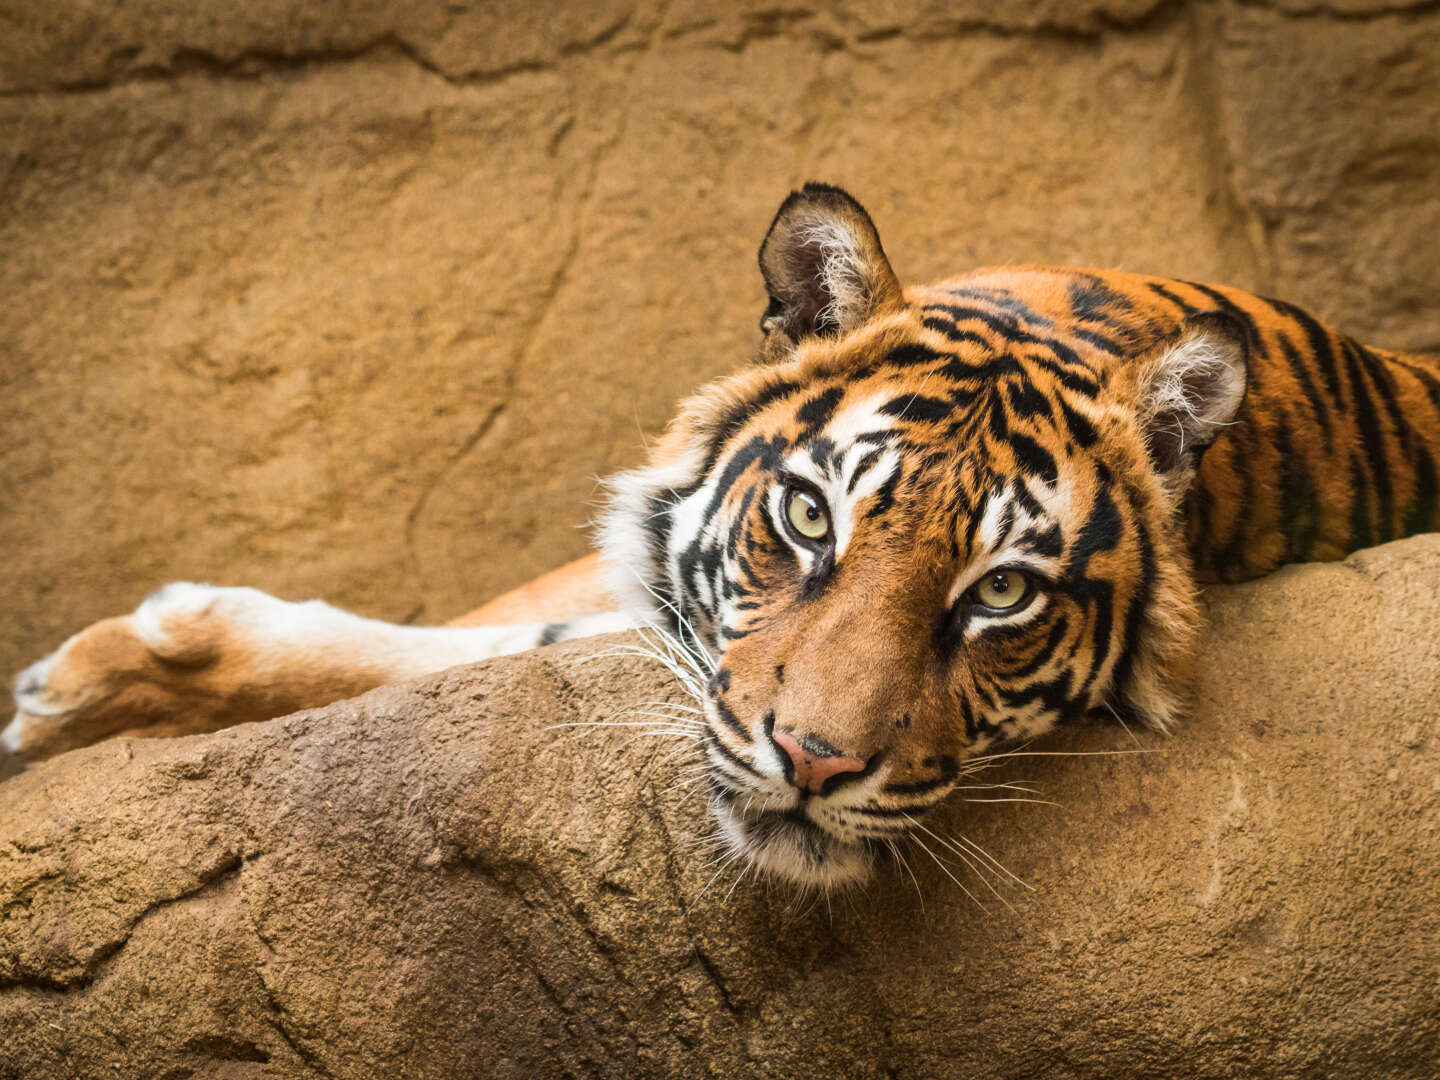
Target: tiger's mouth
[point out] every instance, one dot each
(788, 844)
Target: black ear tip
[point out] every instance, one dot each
(1225, 324)
(819, 187)
(815, 191)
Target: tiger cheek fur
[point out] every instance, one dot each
(930, 521)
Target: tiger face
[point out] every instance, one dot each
(926, 523)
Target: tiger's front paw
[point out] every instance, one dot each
(186, 660)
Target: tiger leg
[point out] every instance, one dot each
(196, 658)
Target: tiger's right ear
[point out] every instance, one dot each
(824, 269)
(1191, 391)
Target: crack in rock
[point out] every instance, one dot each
(91, 968)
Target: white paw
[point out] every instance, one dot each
(167, 660)
(188, 623)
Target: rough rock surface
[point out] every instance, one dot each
(353, 300)
(433, 881)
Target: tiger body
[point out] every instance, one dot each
(927, 522)
(1334, 450)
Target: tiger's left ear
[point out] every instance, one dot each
(824, 269)
(1190, 391)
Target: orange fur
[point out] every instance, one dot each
(576, 589)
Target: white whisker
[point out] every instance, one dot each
(919, 893)
(1042, 802)
(946, 870)
(1121, 721)
(966, 859)
(982, 853)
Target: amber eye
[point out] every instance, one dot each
(1002, 590)
(807, 514)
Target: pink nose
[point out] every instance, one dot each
(814, 761)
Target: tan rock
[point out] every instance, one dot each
(433, 881)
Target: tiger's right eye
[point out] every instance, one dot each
(807, 515)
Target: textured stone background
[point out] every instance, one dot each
(356, 299)
(432, 881)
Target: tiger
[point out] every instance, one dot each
(925, 522)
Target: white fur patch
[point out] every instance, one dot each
(626, 543)
(809, 861)
(279, 631)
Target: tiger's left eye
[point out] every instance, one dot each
(1002, 590)
(807, 514)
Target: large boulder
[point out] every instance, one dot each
(435, 880)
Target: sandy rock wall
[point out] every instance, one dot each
(355, 300)
(434, 881)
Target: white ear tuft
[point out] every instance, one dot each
(1192, 391)
(843, 277)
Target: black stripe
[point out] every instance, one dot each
(1003, 326)
(1079, 383)
(1428, 379)
(1321, 347)
(949, 770)
(1047, 543)
(1299, 500)
(729, 718)
(1034, 458)
(995, 419)
(912, 355)
(1054, 697)
(865, 464)
(1027, 400)
(1081, 430)
(816, 412)
(739, 416)
(1045, 653)
(1372, 441)
(1021, 494)
(885, 496)
(917, 409)
(1102, 531)
(1139, 602)
(1384, 382)
(1165, 294)
(729, 755)
(1100, 341)
(1421, 514)
(889, 811)
(954, 333)
(551, 634)
(1301, 370)
(1230, 308)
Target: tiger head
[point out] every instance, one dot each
(925, 523)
